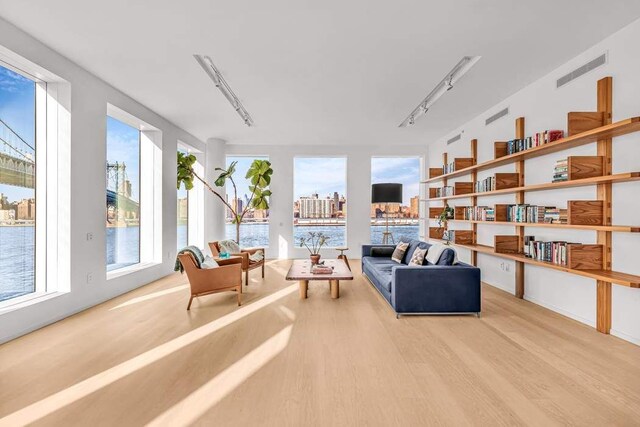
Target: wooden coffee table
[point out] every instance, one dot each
(301, 271)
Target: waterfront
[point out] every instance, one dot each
(17, 261)
(257, 234)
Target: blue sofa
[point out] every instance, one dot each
(428, 289)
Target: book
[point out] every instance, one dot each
(321, 269)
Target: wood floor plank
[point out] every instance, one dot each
(142, 359)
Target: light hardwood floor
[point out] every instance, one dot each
(278, 360)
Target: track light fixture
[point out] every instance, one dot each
(441, 88)
(207, 65)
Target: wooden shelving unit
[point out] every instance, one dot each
(593, 261)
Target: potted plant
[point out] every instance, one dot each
(259, 175)
(443, 221)
(314, 242)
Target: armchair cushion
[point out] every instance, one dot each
(209, 263)
(229, 246)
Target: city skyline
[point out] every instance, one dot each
(123, 146)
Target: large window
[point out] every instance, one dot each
(254, 231)
(320, 199)
(182, 215)
(403, 218)
(123, 194)
(17, 184)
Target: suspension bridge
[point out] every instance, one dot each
(18, 168)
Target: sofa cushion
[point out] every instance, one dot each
(379, 270)
(418, 257)
(382, 251)
(413, 245)
(399, 252)
(446, 258)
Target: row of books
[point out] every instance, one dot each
(444, 191)
(555, 252)
(536, 140)
(451, 167)
(479, 213)
(534, 213)
(487, 184)
(561, 170)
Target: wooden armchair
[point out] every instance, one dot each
(247, 264)
(227, 277)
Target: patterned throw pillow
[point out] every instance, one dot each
(418, 256)
(398, 253)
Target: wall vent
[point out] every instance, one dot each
(496, 116)
(600, 60)
(454, 139)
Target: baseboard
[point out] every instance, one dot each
(624, 336)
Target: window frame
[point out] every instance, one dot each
(52, 186)
(150, 203)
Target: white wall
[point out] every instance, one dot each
(358, 191)
(545, 107)
(89, 99)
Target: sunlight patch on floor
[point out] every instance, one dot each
(59, 400)
(150, 296)
(196, 404)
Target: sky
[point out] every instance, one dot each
(403, 170)
(17, 109)
(123, 146)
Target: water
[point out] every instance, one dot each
(17, 261)
(123, 247)
(182, 236)
(257, 234)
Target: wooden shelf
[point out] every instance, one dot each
(615, 228)
(622, 127)
(623, 279)
(621, 177)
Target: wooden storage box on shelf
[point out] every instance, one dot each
(463, 237)
(506, 180)
(462, 163)
(506, 244)
(583, 121)
(435, 172)
(584, 257)
(500, 149)
(435, 212)
(458, 212)
(500, 212)
(585, 212)
(462, 188)
(436, 232)
(580, 167)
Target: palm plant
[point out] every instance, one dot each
(259, 175)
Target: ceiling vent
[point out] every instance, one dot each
(496, 116)
(454, 139)
(600, 60)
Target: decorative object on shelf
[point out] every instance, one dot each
(386, 193)
(443, 222)
(314, 242)
(259, 175)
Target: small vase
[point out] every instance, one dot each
(315, 258)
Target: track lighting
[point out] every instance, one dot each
(207, 65)
(441, 88)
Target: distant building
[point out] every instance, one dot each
(7, 214)
(183, 210)
(315, 207)
(27, 209)
(415, 207)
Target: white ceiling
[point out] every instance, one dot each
(322, 71)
